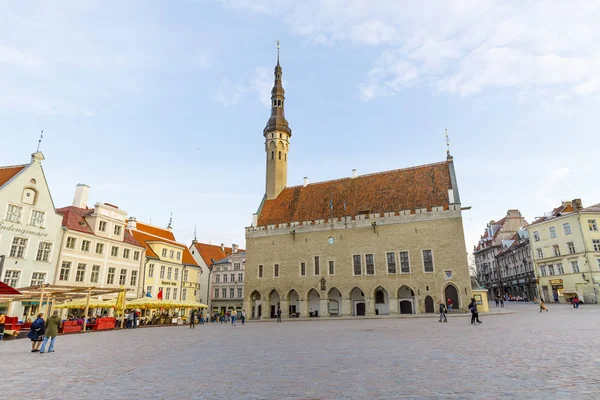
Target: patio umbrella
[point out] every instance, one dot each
(5, 289)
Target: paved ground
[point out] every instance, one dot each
(525, 355)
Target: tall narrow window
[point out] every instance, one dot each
(552, 231)
(162, 271)
(571, 246)
(224, 293)
(99, 248)
(428, 260)
(114, 251)
(174, 293)
(593, 225)
(260, 271)
(102, 226)
(43, 253)
(185, 275)
(95, 277)
(110, 278)
(357, 264)
(556, 250)
(404, 262)
(65, 269)
(168, 293)
(370, 264)
(176, 277)
(133, 278)
(126, 253)
(391, 262)
(276, 270)
(85, 246)
(575, 266)
(151, 271)
(232, 292)
(596, 243)
(13, 214)
(272, 155)
(80, 274)
(37, 218)
(317, 266)
(70, 243)
(216, 294)
(169, 272)
(331, 267)
(280, 155)
(123, 277)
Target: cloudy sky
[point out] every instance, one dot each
(160, 106)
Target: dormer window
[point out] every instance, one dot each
(28, 196)
(117, 230)
(102, 226)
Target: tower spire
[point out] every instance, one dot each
(278, 52)
(447, 145)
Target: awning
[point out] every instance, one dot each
(5, 289)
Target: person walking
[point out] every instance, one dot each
(474, 313)
(278, 314)
(134, 321)
(442, 311)
(129, 319)
(52, 326)
(497, 298)
(543, 305)
(449, 308)
(243, 316)
(501, 302)
(36, 333)
(3, 321)
(193, 319)
(233, 317)
(576, 302)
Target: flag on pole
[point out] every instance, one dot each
(159, 295)
(148, 294)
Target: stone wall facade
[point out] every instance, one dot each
(340, 240)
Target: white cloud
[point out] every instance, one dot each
(457, 47)
(228, 93)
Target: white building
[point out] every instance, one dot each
(97, 250)
(205, 255)
(30, 230)
(227, 283)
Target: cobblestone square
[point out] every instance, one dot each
(525, 355)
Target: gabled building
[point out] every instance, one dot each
(384, 243)
(97, 250)
(169, 267)
(565, 246)
(490, 244)
(514, 262)
(30, 231)
(206, 255)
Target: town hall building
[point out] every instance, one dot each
(385, 243)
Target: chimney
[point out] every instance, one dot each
(305, 181)
(354, 173)
(254, 219)
(132, 223)
(37, 157)
(81, 195)
(223, 247)
(577, 205)
(234, 248)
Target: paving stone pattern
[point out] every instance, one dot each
(526, 355)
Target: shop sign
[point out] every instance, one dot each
(514, 282)
(21, 231)
(555, 281)
(522, 280)
(168, 283)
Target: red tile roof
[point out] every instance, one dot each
(156, 231)
(7, 173)
(74, 219)
(145, 237)
(424, 186)
(486, 234)
(211, 253)
(565, 208)
(594, 208)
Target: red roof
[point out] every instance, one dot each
(156, 231)
(74, 220)
(5, 289)
(565, 208)
(211, 253)
(7, 173)
(424, 186)
(145, 235)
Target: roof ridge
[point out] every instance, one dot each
(160, 237)
(372, 174)
(13, 166)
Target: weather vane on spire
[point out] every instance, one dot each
(170, 222)
(277, 52)
(40, 141)
(447, 143)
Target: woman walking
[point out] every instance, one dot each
(243, 316)
(474, 313)
(52, 326)
(36, 333)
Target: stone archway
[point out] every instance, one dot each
(314, 302)
(255, 301)
(382, 301)
(406, 297)
(357, 297)
(429, 308)
(294, 303)
(335, 302)
(451, 292)
(274, 301)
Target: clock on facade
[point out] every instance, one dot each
(331, 240)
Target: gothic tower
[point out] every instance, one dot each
(277, 135)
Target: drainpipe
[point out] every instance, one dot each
(585, 254)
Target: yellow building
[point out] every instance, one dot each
(565, 247)
(385, 243)
(169, 267)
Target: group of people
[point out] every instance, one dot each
(443, 308)
(499, 301)
(226, 317)
(43, 331)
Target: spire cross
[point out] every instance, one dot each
(447, 143)
(170, 221)
(40, 141)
